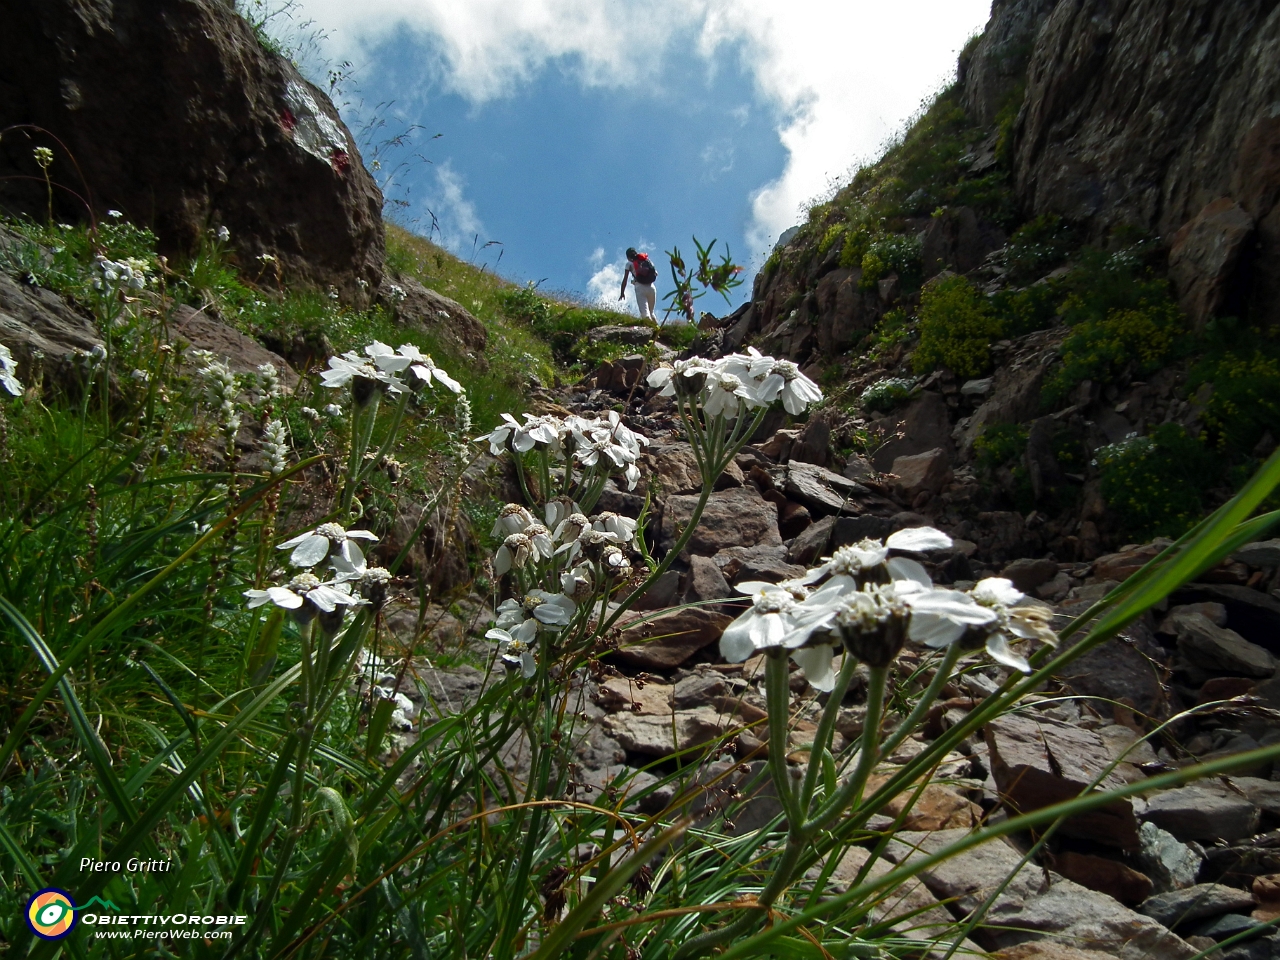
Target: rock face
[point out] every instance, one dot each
(1145, 111)
(991, 72)
(176, 116)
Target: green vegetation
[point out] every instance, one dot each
(1038, 246)
(1157, 484)
(1000, 444)
(957, 328)
(886, 394)
(891, 254)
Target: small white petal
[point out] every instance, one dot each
(999, 650)
(919, 540)
(903, 568)
(815, 662)
(310, 551)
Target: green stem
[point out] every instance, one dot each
(867, 756)
(777, 679)
(826, 724)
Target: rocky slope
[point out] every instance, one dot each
(175, 114)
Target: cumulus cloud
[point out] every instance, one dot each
(456, 216)
(605, 280)
(842, 77)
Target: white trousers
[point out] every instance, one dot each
(646, 298)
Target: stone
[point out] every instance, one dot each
(793, 518)
(937, 808)
(1105, 875)
(1215, 613)
(738, 517)
(1033, 902)
(1204, 255)
(1181, 907)
(1028, 574)
(1039, 762)
(669, 640)
(1047, 950)
(812, 543)
(813, 445)
(1252, 614)
(673, 468)
(706, 582)
(976, 388)
(1121, 566)
(1014, 398)
(1218, 649)
(618, 376)
(925, 424)
(819, 489)
(1203, 811)
(1263, 794)
(1170, 863)
(957, 240)
(926, 472)
(242, 354)
(1239, 865)
(1227, 925)
(1266, 891)
(233, 135)
(698, 690)
(35, 321)
(631, 336)
(993, 69)
(622, 694)
(416, 305)
(662, 593)
(661, 736)
(857, 467)
(767, 562)
(922, 916)
(1120, 670)
(1262, 553)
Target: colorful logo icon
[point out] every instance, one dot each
(51, 914)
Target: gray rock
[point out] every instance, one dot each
(1215, 613)
(447, 320)
(1027, 574)
(925, 424)
(1263, 553)
(1229, 925)
(812, 543)
(670, 640)
(1203, 811)
(732, 518)
(968, 878)
(976, 388)
(699, 690)
(242, 354)
(634, 336)
(1252, 614)
(765, 562)
(36, 320)
(1179, 907)
(1264, 794)
(849, 530)
(926, 472)
(1038, 762)
(706, 582)
(818, 488)
(1218, 649)
(1204, 255)
(659, 736)
(1170, 863)
(232, 136)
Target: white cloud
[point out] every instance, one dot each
(843, 75)
(605, 281)
(456, 216)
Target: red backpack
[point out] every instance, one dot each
(644, 269)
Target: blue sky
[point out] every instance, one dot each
(571, 129)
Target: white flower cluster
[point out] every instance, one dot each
(591, 443)
(396, 293)
(870, 602)
(9, 372)
(267, 385)
(1132, 447)
(306, 594)
(738, 382)
(127, 274)
(604, 538)
(221, 388)
(380, 368)
(275, 447)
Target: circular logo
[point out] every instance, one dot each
(51, 914)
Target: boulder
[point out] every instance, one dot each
(1039, 762)
(925, 424)
(1105, 875)
(618, 376)
(819, 489)
(814, 542)
(766, 562)
(738, 517)
(1253, 614)
(674, 470)
(242, 354)
(414, 305)
(1262, 553)
(1028, 574)
(669, 640)
(700, 690)
(926, 472)
(35, 321)
(661, 736)
(624, 695)
(1203, 811)
(958, 241)
(706, 582)
(1217, 649)
(1180, 907)
(1121, 566)
(849, 530)
(1204, 255)
(1170, 863)
(631, 336)
(178, 116)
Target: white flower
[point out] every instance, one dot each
(667, 377)
(498, 437)
(550, 609)
(312, 414)
(1019, 622)
(557, 510)
(615, 563)
(514, 652)
(514, 553)
(540, 537)
(621, 529)
(114, 214)
(424, 368)
(765, 625)
(723, 395)
(570, 529)
(224, 234)
(797, 391)
(513, 518)
(537, 430)
(313, 546)
(305, 588)
(854, 561)
(332, 410)
(9, 372)
(352, 367)
(577, 583)
(385, 358)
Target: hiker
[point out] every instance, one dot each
(645, 273)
